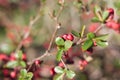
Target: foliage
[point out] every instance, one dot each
(27, 25)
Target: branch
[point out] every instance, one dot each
(97, 30)
(64, 64)
(32, 22)
(57, 26)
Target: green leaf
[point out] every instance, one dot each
(58, 77)
(70, 74)
(87, 44)
(18, 55)
(105, 15)
(22, 63)
(90, 35)
(102, 37)
(54, 13)
(96, 9)
(95, 19)
(24, 75)
(102, 43)
(59, 41)
(68, 44)
(75, 33)
(12, 64)
(23, 72)
(83, 30)
(20, 78)
(58, 69)
(29, 75)
(98, 12)
(77, 4)
(59, 54)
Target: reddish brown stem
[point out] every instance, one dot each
(32, 22)
(57, 26)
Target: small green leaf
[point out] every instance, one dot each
(20, 78)
(102, 43)
(105, 15)
(58, 69)
(22, 63)
(59, 54)
(95, 19)
(75, 33)
(18, 55)
(54, 13)
(23, 72)
(87, 44)
(24, 75)
(83, 30)
(68, 44)
(12, 64)
(98, 12)
(59, 41)
(58, 77)
(77, 4)
(96, 9)
(90, 35)
(30, 75)
(102, 37)
(70, 74)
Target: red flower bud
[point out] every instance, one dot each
(112, 24)
(12, 57)
(83, 64)
(24, 57)
(68, 37)
(52, 71)
(111, 11)
(13, 74)
(37, 62)
(61, 64)
(109, 24)
(5, 72)
(3, 57)
(115, 26)
(110, 15)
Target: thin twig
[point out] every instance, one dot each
(47, 53)
(39, 58)
(57, 25)
(81, 41)
(32, 22)
(53, 36)
(59, 12)
(99, 28)
(64, 64)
